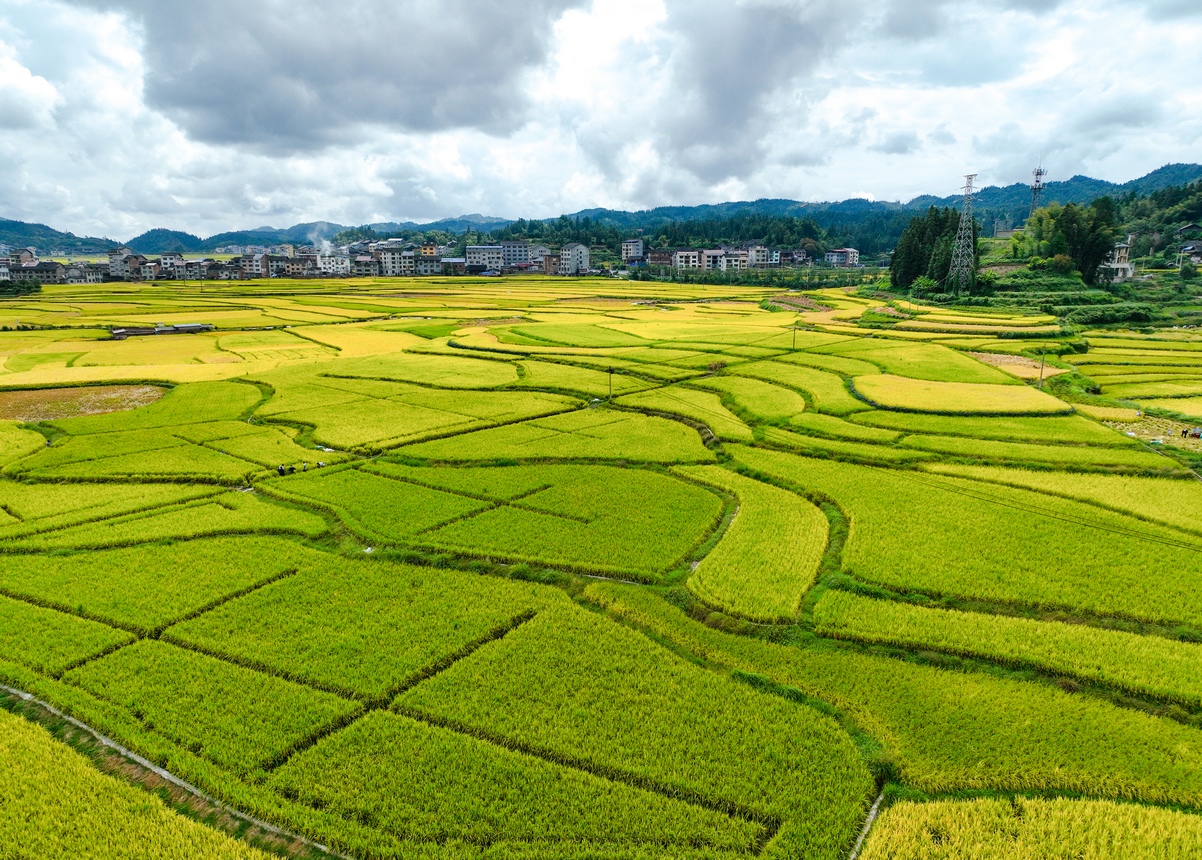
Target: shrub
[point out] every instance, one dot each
(1120, 312)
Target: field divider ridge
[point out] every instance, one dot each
(83, 661)
(770, 824)
(156, 632)
(42, 603)
(983, 496)
(134, 514)
(385, 700)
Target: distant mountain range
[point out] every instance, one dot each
(1008, 202)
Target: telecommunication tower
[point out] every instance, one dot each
(964, 254)
(1037, 185)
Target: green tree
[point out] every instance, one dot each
(925, 248)
(1087, 234)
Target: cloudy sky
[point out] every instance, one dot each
(207, 115)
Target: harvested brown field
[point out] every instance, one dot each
(49, 404)
(1017, 365)
(797, 302)
(1160, 431)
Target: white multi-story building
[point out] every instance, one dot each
(118, 267)
(632, 249)
(843, 258)
(395, 261)
(1119, 263)
(485, 257)
(573, 259)
(713, 259)
(4, 273)
(735, 261)
(514, 252)
(83, 273)
(337, 265)
(686, 259)
(537, 252)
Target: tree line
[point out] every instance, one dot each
(1068, 238)
(872, 233)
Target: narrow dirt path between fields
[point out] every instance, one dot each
(872, 814)
(134, 768)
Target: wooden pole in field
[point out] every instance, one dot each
(611, 383)
(1043, 357)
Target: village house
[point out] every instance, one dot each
(514, 253)
(485, 258)
(365, 266)
(762, 257)
(736, 261)
(843, 258)
(573, 259)
(686, 259)
(253, 265)
(427, 265)
(287, 267)
(45, 272)
(21, 256)
(632, 250)
(118, 263)
(337, 265)
(396, 260)
(1118, 265)
(85, 273)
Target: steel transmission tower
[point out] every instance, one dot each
(1037, 185)
(964, 254)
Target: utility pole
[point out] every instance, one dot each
(611, 383)
(1043, 357)
(964, 254)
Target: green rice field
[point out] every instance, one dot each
(540, 568)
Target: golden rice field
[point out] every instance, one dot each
(539, 568)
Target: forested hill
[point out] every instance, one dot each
(871, 226)
(20, 234)
(1016, 198)
(999, 200)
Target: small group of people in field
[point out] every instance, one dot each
(291, 470)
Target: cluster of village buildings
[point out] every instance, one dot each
(391, 258)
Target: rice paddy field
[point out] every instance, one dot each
(542, 568)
